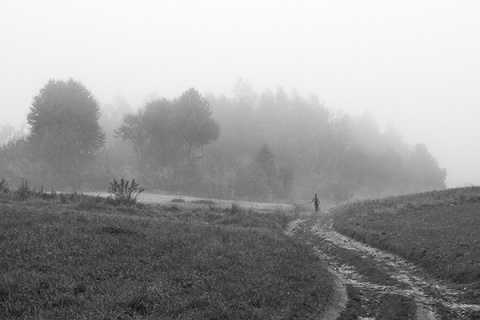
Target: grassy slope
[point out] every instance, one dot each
(436, 230)
(90, 260)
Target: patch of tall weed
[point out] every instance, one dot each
(124, 192)
(23, 192)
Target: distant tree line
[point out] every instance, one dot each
(315, 150)
(260, 146)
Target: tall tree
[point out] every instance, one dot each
(165, 147)
(426, 170)
(164, 132)
(192, 119)
(133, 130)
(111, 117)
(266, 160)
(6, 132)
(64, 129)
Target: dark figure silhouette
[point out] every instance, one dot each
(315, 202)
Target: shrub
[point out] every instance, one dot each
(63, 198)
(4, 186)
(23, 192)
(236, 208)
(125, 192)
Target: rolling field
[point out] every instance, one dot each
(86, 259)
(438, 231)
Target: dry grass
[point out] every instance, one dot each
(86, 259)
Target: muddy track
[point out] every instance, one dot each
(406, 279)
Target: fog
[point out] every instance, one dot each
(412, 65)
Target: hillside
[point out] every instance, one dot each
(435, 230)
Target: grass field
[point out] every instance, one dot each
(436, 230)
(86, 259)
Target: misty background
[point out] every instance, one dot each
(345, 98)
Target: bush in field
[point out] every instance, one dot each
(23, 192)
(3, 186)
(235, 208)
(125, 192)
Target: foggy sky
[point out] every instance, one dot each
(411, 64)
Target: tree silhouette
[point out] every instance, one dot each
(64, 129)
(192, 120)
(425, 169)
(266, 161)
(133, 130)
(164, 132)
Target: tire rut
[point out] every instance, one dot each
(426, 291)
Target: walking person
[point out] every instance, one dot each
(315, 202)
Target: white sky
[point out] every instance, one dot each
(412, 64)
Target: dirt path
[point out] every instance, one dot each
(399, 276)
(339, 300)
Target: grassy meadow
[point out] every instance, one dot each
(437, 230)
(82, 258)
